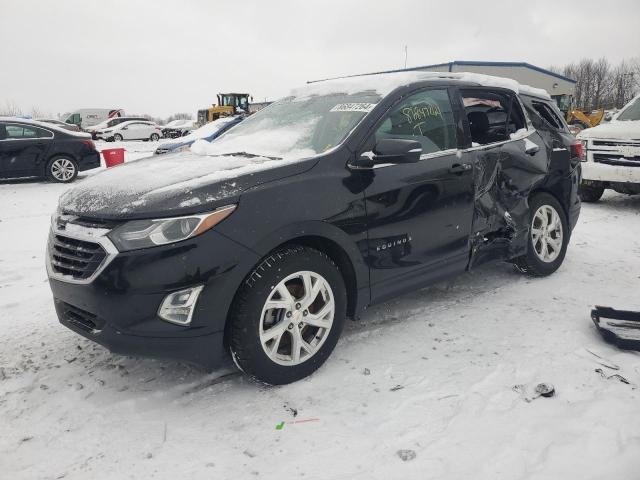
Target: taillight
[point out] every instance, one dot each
(576, 149)
(90, 143)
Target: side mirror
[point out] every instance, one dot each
(391, 150)
(607, 117)
(125, 128)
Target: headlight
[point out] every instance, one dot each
(105, 131)
(150, 233)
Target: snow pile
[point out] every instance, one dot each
(265, 138)
(385, 83)
(160, 177)
(614, 130)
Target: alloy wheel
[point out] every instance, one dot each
(296, 318)
(546, 233)
(63, 169)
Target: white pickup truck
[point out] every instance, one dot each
(611, 155)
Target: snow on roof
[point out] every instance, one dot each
(385, 83)
(49, 126)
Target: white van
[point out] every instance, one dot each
(87, 117)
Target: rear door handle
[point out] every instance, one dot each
(532, 149)
(460, 168)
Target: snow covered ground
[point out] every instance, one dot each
(421, 387)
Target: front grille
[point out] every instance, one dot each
(76, 258)
(613, 143)
(613, 159)
(80, 318)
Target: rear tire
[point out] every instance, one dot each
(62, 169)
(548, 237)
(590, 193)
(154, 137)
(267, 327)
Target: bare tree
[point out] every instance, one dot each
(601, 74)
(601, 85)
(10, 109)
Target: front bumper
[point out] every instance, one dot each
(610, 173)
(117, 307)
(204, 350)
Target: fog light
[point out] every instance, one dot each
(178, 307)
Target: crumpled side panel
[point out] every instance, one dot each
(504, 178)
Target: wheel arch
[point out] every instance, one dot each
(340, 257)
(336, 244)
(550, 191)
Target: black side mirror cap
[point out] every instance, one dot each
(397, 150)
(390, 150)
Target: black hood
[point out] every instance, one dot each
(173, 184)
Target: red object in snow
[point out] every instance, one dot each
(113, 156)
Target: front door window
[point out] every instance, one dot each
(425, 117)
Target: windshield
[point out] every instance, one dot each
(632, 112)
(297, 127)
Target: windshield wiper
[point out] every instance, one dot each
(249, 155)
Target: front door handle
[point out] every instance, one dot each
(460, 168)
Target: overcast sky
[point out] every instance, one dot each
(160, 57)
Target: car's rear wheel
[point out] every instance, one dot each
(287, 316)
(590, 193)
(548, 237)
(154, 137)
(117, 137)
(62, 169)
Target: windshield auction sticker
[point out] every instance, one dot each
(353, 107)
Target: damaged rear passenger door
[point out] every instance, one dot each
(419, 213)
(511, 159)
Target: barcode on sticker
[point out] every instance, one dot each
(353, 107)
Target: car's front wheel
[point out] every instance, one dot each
(548, 237)
(287, 316)
(117, 137)
(62, 169)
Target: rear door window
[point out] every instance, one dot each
(426, 117)
(22, 132)
(493, 116)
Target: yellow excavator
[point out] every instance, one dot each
(228, 104)
(580, 120)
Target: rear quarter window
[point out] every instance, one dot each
(544, 115)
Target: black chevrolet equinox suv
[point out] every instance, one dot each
(346, 193)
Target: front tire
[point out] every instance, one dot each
(62, 169)
(117, 137)
(590, 193)
(548, 237)
(287, 316)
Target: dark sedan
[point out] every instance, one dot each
(35, 149)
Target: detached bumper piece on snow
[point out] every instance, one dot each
(621, 327)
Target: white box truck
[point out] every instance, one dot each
(87, 117)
